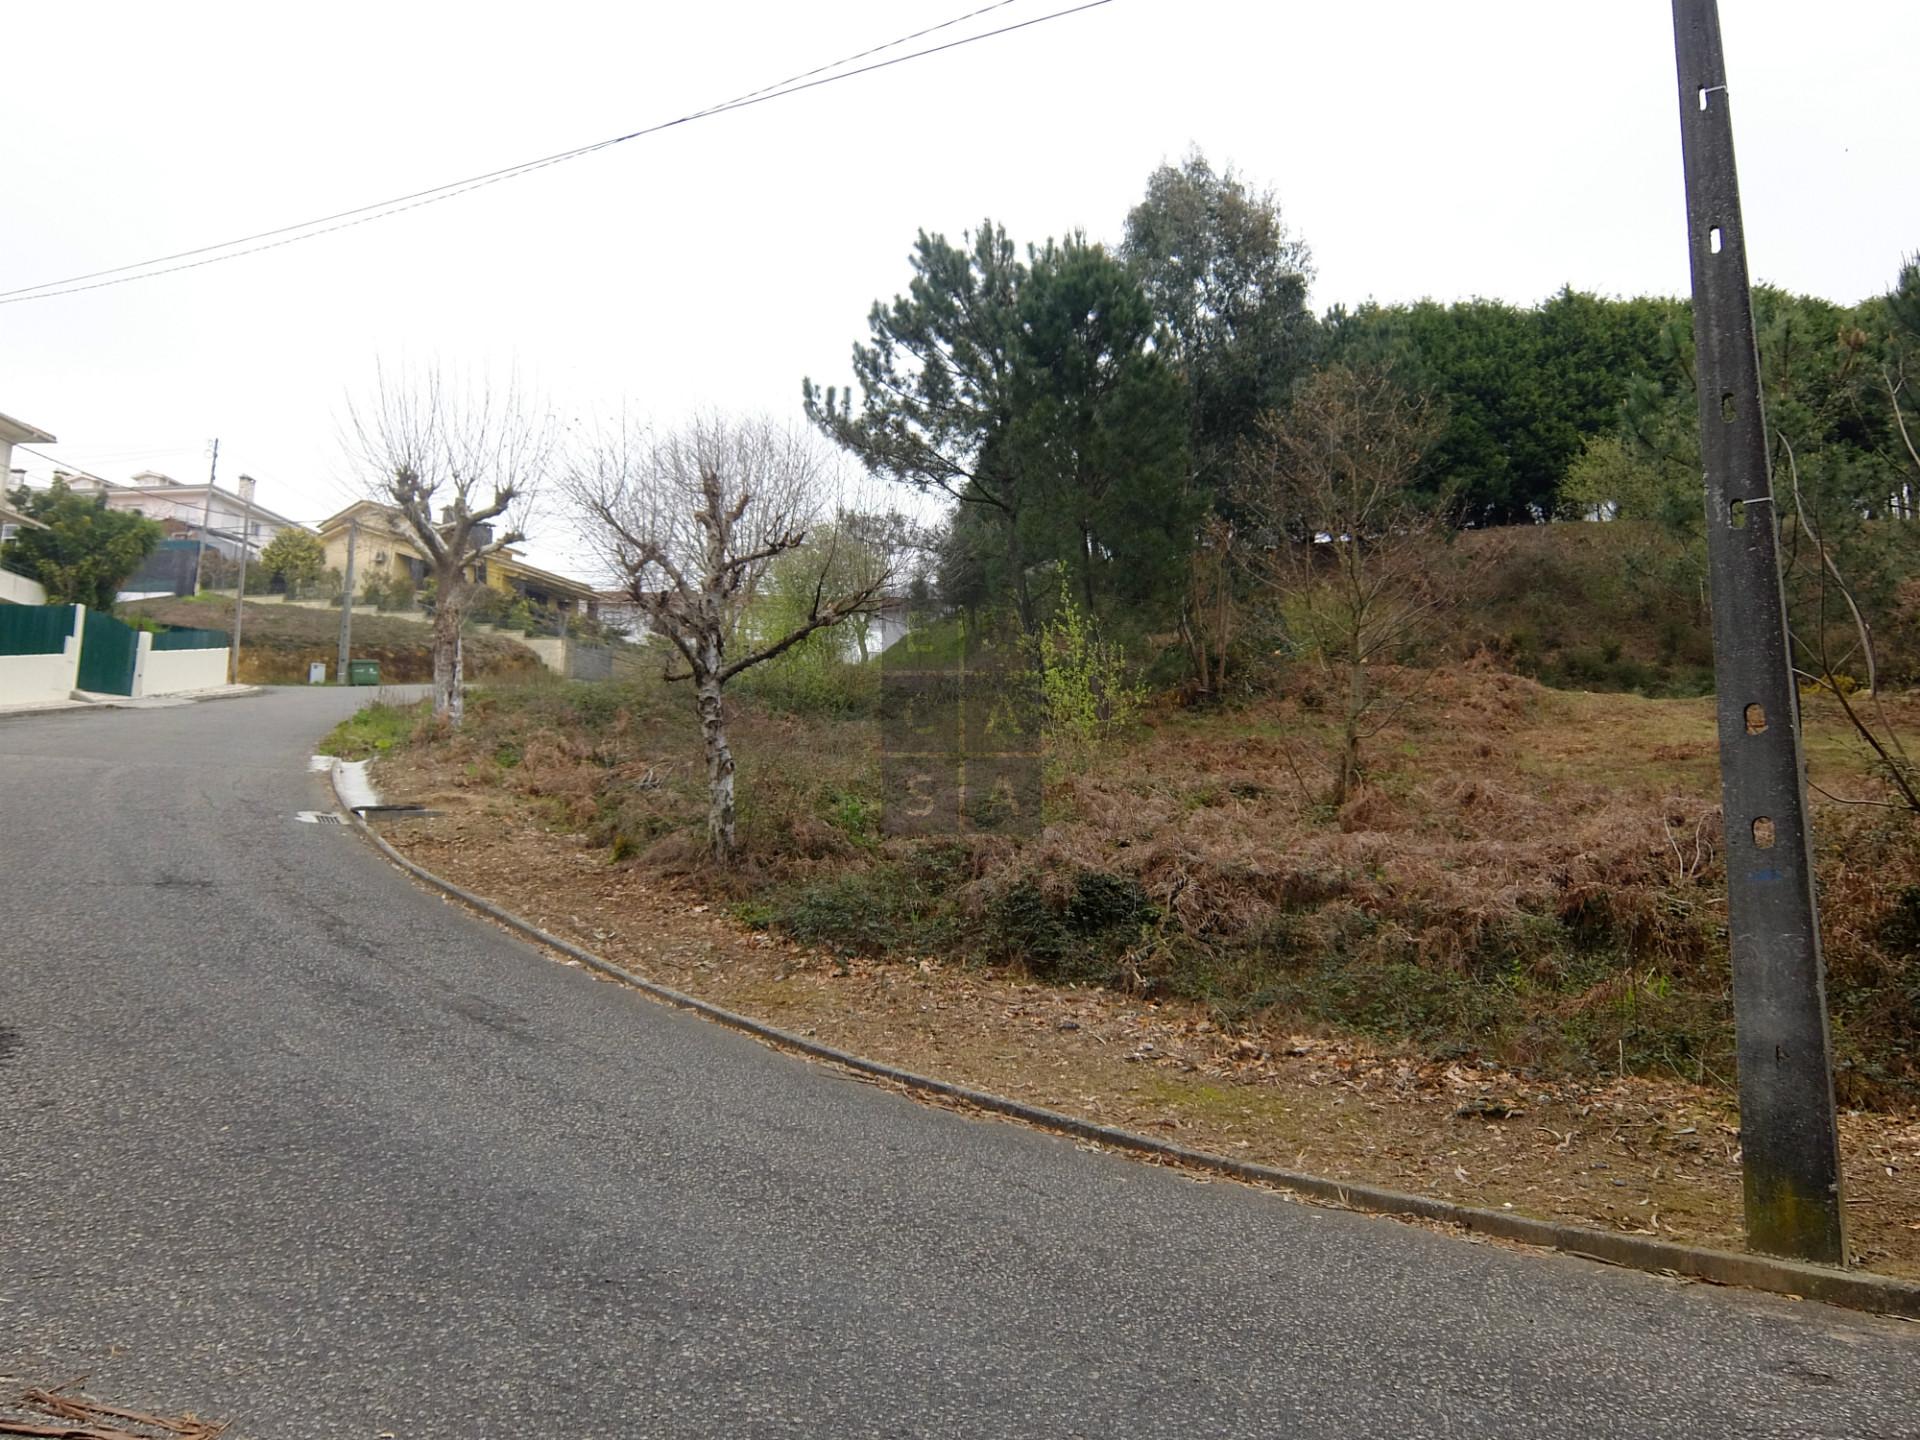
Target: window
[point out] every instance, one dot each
(7, 531)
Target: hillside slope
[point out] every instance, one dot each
(279, 642)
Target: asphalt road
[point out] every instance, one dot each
(287, 1140)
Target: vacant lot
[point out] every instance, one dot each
(279, 642)
(1498, 973)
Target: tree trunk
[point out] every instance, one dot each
(1350, 733)
(447, 666)
(1223, 631)
(713, 734)
(1086, 568)
(1017, 563)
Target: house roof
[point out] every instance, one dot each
(183, 491)
(339, 518)
(513, 565)
(13, 517)
(18, 432)
(508, 559)
(387, 517)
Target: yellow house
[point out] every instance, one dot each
(384, 546)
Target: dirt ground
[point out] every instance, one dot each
(1635, 1155)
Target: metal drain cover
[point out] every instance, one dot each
(319, 817)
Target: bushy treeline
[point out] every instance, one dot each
(1092, 408)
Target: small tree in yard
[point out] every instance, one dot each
(1087, 692)
(450, 464)
(84, 552)
(217, 571)
(297, 558)
(691, 521)
(1342, 540)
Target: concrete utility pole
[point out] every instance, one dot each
(206, 517)
(1789, 1142)
(346, 603)
(240, 595)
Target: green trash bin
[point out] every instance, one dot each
(363, 672)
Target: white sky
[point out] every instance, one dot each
(1481, 147)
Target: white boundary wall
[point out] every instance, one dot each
(19, 590)
(174, 672)
(552, 650)
(37, 679)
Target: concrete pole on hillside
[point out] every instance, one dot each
(346, 603)
(206, 517)
(1789, 1142)
(240, 595)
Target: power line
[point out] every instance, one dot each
(501, 174)
(67, 465)
(379, 210)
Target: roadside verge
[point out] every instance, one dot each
(1854, 1289)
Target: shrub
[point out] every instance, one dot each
(1087, 688)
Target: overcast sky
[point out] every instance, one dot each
(1479, 147)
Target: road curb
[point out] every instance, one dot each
(128, 702)
(1853, 1289)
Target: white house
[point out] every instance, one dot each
(161, 497)
(12, 522)
(17, 589)
(17, 432)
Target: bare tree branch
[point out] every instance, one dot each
(1884, 740)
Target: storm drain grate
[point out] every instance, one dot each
(319, 817)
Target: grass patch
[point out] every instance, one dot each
(374, 730)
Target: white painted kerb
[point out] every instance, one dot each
(351, 783)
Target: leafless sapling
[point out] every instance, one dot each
(691, 520)
(450, 461)
(1343, 540)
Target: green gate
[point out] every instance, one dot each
(108, 651)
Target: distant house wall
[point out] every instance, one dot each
(552, 650)
(376, 552)
(888, 625)
(158, 498)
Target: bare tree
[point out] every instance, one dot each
(1874, 726)
(1343, 540)
(451, 461)
(691, 521)
(1209, 613)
